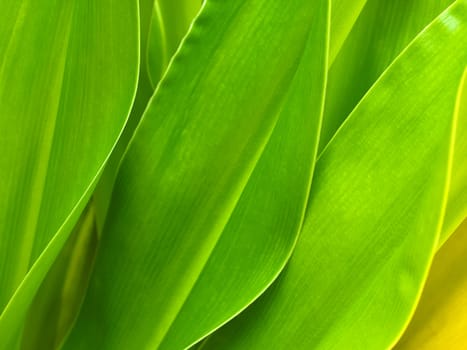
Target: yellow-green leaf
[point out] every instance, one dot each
(169, 24)
(68, 72)
(440, 321)
(375, 213)
(204, 191)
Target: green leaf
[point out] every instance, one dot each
(103, 191)
(375, 213)
(180, 199)
(440, 320)
(456, 210)
(169, 24)
(59, 298)
(262, 230)
(382, 31)
(68, 73)
(344, 13)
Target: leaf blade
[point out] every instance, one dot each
(262, 230)
(379, 35)
(140, 328)
(439, 320)
(435, 322)
(348, 252)
(55, 103)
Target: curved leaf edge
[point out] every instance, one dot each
(439, 228)
(302, 220)
(39, 269)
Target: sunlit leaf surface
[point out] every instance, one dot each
(456, 210)
(168, 232)
(375, 211)
(440, 321)
(177, 158)
(343, 16)
(380, 34)
(57, 302)
(382, 31)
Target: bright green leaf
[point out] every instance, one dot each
(344, 13)
(441, 317)
(179, 200)
(55, 298)
(262, 230)
(57, 301)
(170, 22)
(440, 320)
(382, 31)
(68, 74)
(456, 210)
(103, 191)
(375, 212)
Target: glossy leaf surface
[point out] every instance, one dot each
(344, 14)
(375, 212)
(259, 237)
(456, 210)
(440, 321)
(381, 32)
(169, 24)
(181, 182)
(68, 74)
(57, 301)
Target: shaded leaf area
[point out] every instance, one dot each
(103, 192)
(57, 302)
(344, 14)
(59, 298)
(68, 73)
(60, 295)
(375, 212)
(170, 22)
(440, 321)
(185, 172)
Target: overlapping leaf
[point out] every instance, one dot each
(261, 232)
(144, 92)
(67, 78)
(456, 210)
(184, 174)
(375, 212)
(58, 300)
(382, 31)
(440, 320)
(170, 22)
(206, 211)
(343, 16)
